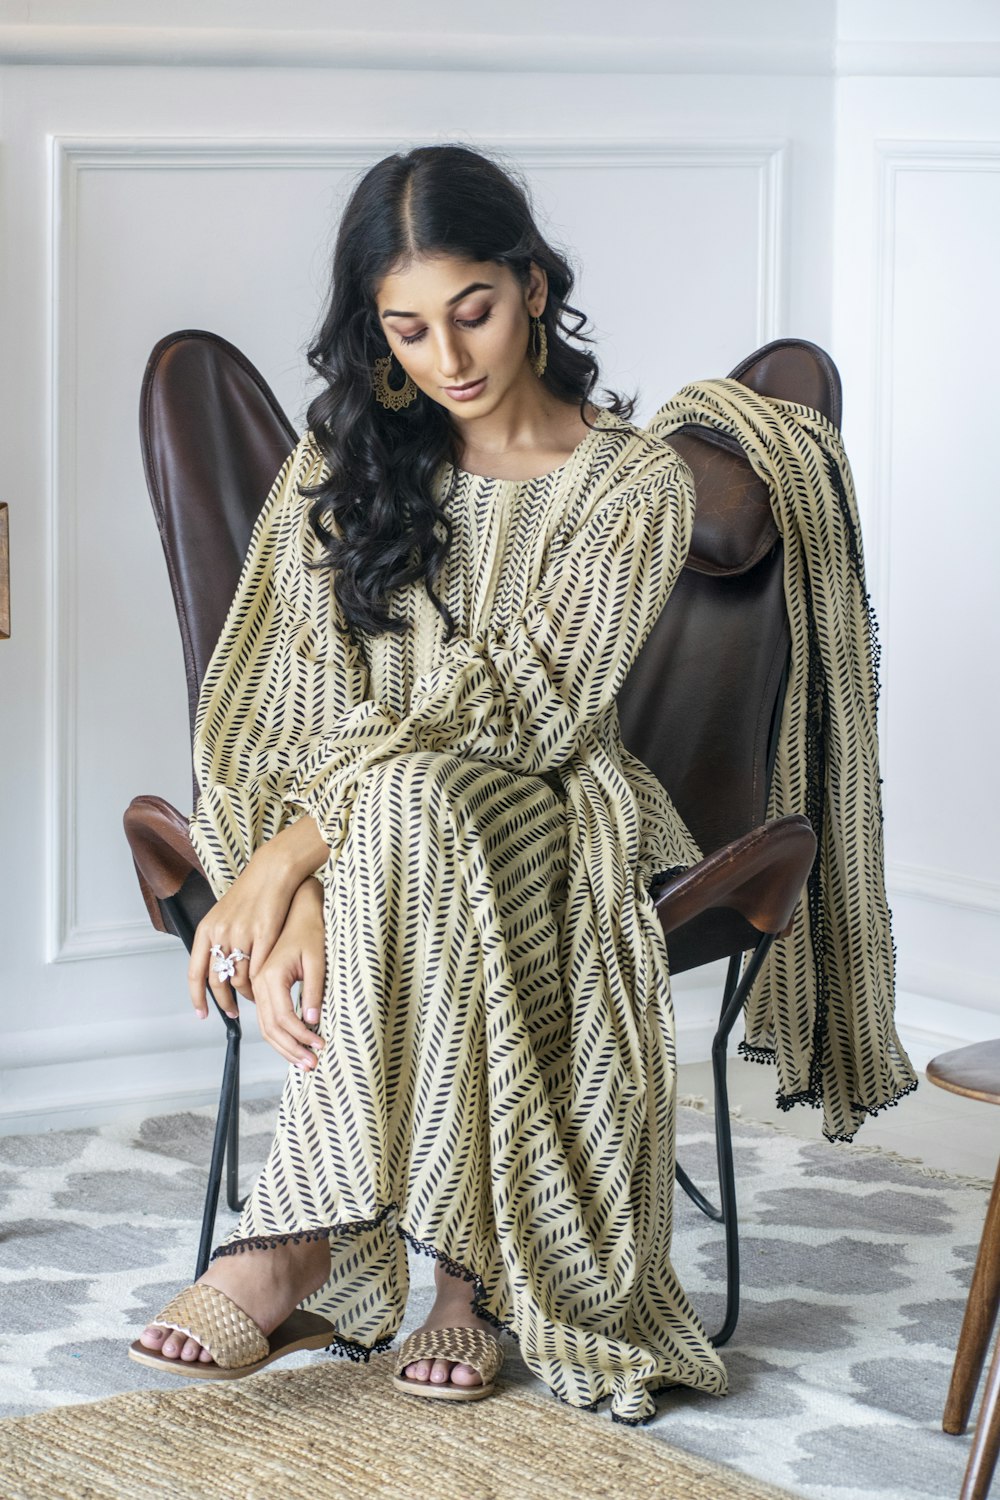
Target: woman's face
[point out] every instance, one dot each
(459, 328)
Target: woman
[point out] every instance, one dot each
(415, 800)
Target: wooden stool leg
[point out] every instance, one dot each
(977, 1325)
(986, 1443)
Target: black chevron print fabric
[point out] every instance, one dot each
(822, 1008)
(498, 1082)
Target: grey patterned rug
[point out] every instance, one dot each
(855, 1272)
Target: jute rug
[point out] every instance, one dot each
(855, 1272)
(331, 1431)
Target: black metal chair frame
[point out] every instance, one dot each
(226, 1139)
(735, 995)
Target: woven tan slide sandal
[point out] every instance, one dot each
(464, 1346)
(232, 1338)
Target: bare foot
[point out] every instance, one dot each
(452, 1309)
(267, 1284)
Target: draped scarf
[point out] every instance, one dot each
(822, 1007)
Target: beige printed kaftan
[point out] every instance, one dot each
(497, 1086)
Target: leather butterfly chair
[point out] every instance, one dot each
(701, 705)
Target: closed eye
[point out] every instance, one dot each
(474, 322)
(414, 338)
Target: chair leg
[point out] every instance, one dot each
(725, 1164)
(734, 997)
(233, 1199)
(230, 1074)
(977, 1325)
(694, 1193)
(986, 1442)
(225, 1145)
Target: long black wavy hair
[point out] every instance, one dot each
(435, 200)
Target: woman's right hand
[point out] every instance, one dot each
(298, 954)
(249, 917)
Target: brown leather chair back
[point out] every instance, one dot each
(213, 438)
(701, 704)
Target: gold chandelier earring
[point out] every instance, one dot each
(393, 398)
(538, 347)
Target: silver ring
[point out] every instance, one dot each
(225, 964)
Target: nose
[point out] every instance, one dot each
(452, 359)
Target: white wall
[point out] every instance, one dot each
(916, 327)
(704, 163)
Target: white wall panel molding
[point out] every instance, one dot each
(945, 886)
(429, 50)
(83, 1073)
(766, 159)
(88, 1041)
(943, 1014)
(82, 940)
(71, 159)
(88, 1073)
(964, 999)
(449, 51)
(894, 158)
(917, 59)
(67, 938)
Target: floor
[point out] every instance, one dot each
(97, 1243)
(855, 1272)
(941, 1129)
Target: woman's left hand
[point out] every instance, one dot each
(251, 913)
(298, 954)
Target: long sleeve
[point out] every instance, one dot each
(275, 686)
(527, 696)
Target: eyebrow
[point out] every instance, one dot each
(474, 286)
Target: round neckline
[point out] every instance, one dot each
(599, 423)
